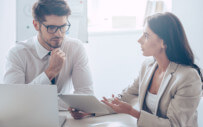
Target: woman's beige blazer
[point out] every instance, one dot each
(178, 96)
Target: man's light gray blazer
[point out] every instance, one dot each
(178, 97)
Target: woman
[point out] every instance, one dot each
(169, 85)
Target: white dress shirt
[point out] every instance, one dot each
(151, 101)
(26, 62)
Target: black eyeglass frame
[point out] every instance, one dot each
(57, 27)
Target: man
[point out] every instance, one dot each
(50, 57)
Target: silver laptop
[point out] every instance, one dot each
(29, 106)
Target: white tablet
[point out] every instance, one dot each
(84, 102)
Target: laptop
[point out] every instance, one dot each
(29, 106)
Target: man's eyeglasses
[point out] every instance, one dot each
(52, 28)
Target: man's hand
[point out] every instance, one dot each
(56, 62)
(78, 114)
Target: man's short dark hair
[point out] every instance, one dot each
(44, 8)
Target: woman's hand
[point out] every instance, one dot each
(121, 107)
(117, 105)
(78, 114)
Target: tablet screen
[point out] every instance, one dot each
(84, 102)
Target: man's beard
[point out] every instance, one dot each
(51, 46)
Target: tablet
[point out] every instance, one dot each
(84, 102)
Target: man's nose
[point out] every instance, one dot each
(58, 32)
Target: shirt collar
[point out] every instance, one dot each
(41, 51)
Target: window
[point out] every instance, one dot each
(122, 14)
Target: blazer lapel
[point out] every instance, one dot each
(165, 81)
(145, 83)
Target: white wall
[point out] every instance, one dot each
(115, 60)
(190, 14)
(7, 29)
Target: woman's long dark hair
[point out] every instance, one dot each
(169, 28)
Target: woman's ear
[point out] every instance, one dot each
(163, 45)
(36, 25)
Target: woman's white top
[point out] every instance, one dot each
(151, 101)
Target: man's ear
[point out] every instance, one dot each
(36, 25)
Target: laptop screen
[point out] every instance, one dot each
(28, 106)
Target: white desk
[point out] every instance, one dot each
(114, 120)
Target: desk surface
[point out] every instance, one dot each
(113, 120)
